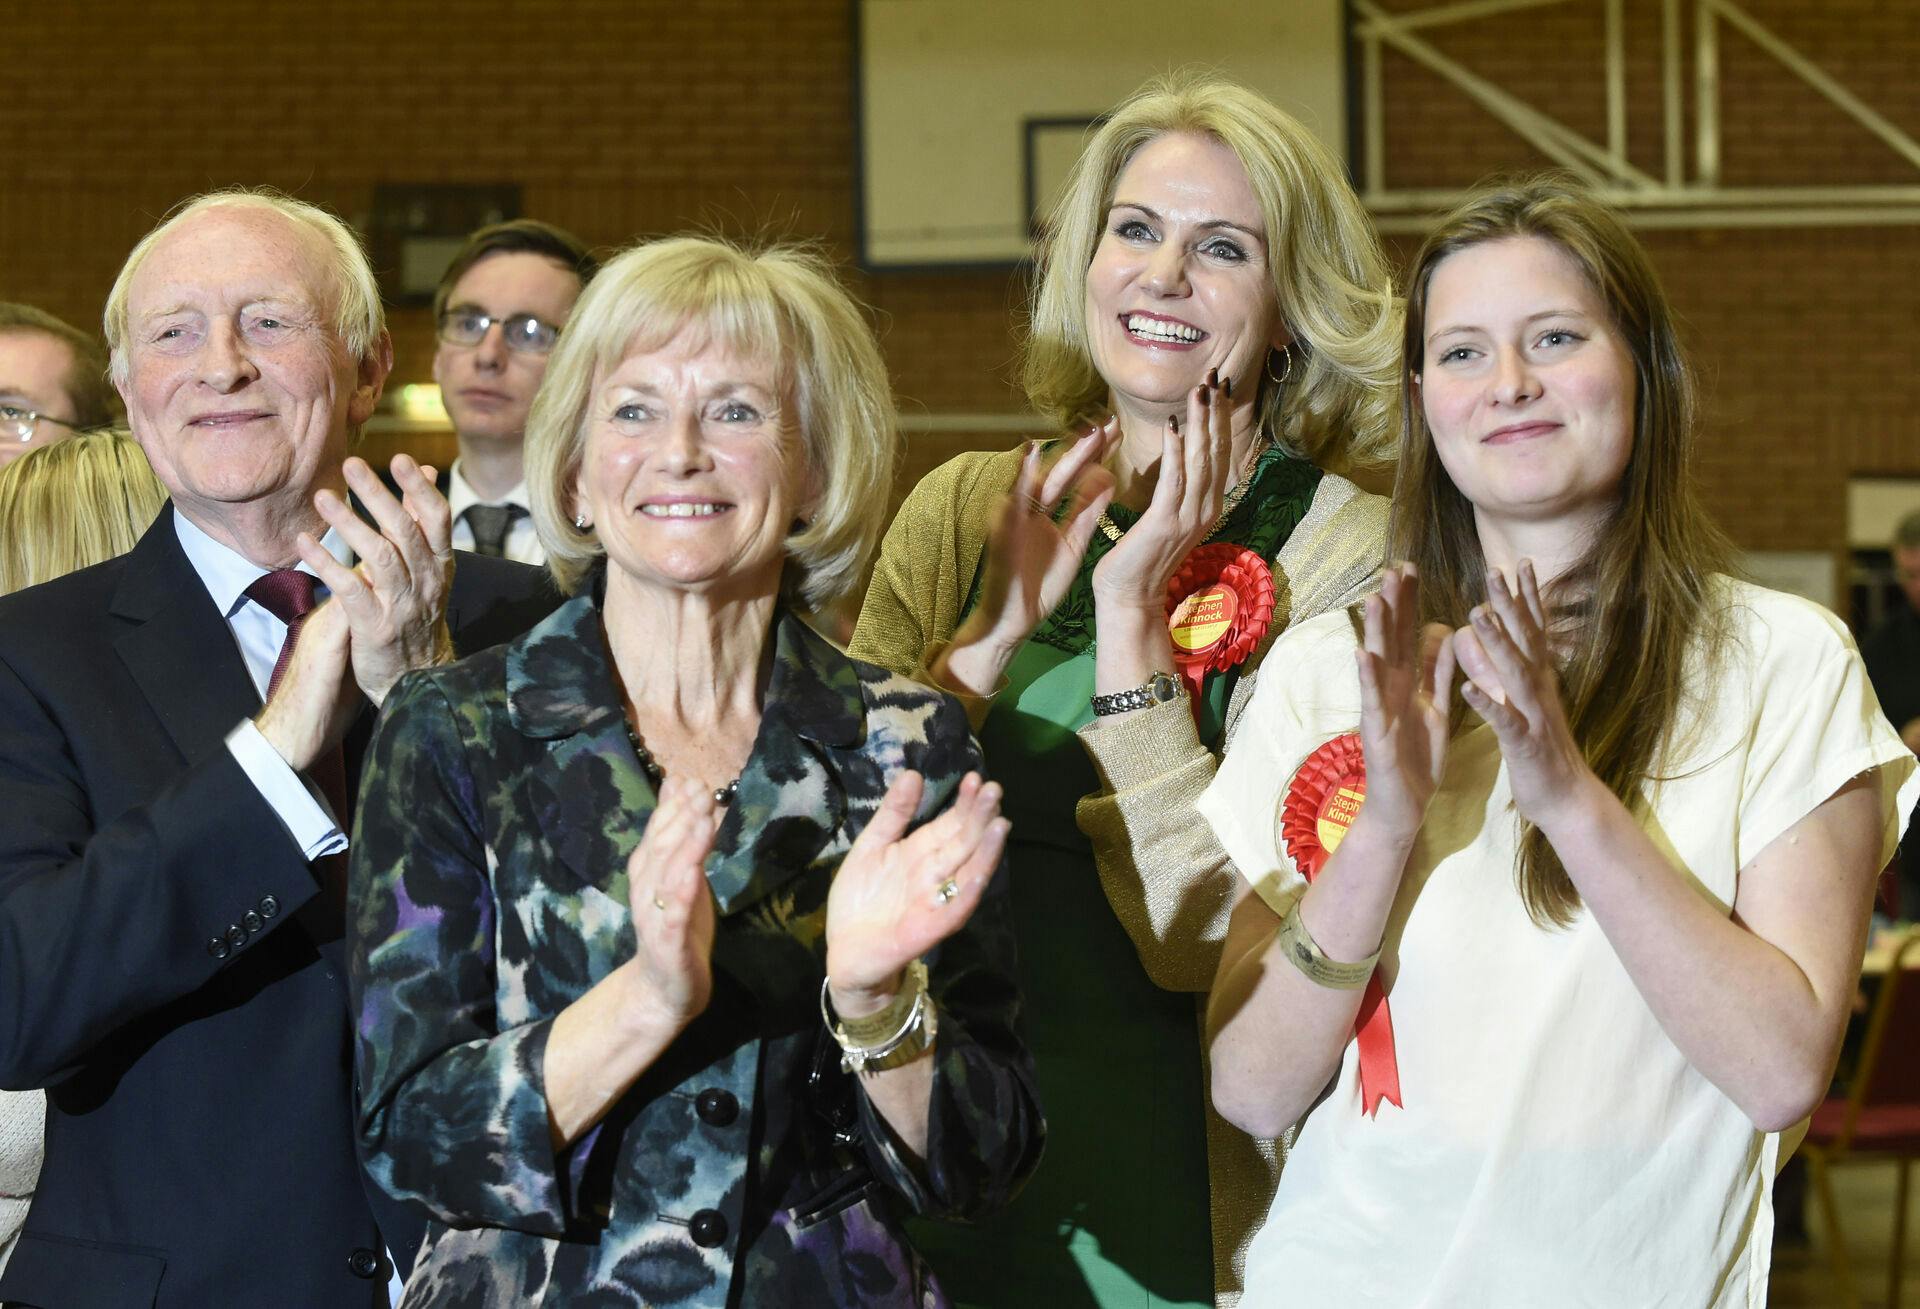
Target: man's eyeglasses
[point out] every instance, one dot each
(523, 332)
(22, 425)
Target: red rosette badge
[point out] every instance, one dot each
(1219, 605)
(1322, 801)
(1320, 805)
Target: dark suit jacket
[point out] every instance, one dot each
(200, 1143)
(1892, 655)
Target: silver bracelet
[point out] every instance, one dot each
(1304, 953)
(914, 1037)
(1157, 689)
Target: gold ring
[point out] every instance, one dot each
(946, 891)
(1036, 506)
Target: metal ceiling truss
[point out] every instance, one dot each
(1677, 198)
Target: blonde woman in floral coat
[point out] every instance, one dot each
(681, 956)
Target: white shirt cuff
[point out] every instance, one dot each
(295, 801)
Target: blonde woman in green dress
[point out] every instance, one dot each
(1212, 332)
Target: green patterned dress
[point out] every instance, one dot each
(1116, 1216)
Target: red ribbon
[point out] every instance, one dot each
(1321, 804)
(1219, 606)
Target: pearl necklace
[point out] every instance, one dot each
(656, 774)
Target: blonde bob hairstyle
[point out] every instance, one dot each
(780, 303)
(1330, 279)
(359, 321)
(72, 504)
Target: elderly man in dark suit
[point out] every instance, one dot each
(179, 737)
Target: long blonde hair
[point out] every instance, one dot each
(72, 504)
(1637, 606)
(1330, 278)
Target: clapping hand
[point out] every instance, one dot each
(396, 599)
(673, 913)
(897, 895)
(1406, 677)
(316, 700)
(1032, 555)
(1195, 465)
(1508, 660)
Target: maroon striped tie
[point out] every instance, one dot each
(287, 594)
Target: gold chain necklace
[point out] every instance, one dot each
(1234, 496)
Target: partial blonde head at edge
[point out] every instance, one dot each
(72, 504)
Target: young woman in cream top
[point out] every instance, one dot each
(1618, 909)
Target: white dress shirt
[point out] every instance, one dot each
(522, 544)
(227, 574)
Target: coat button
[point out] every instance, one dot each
(268, 906)
(708, 1228)
(252, 922)
(363, 1262)
(219, 948)
(236, 936)
(716, 1106)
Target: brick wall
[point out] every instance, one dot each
(626, 117)
(1805, 338)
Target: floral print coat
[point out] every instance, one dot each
(489, 891)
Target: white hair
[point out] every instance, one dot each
(359, 320)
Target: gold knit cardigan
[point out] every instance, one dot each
(1169, 882)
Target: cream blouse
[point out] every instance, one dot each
(1556, 1149)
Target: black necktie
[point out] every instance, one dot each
(490, 525)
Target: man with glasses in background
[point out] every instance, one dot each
(498, 310)
(53, 381)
